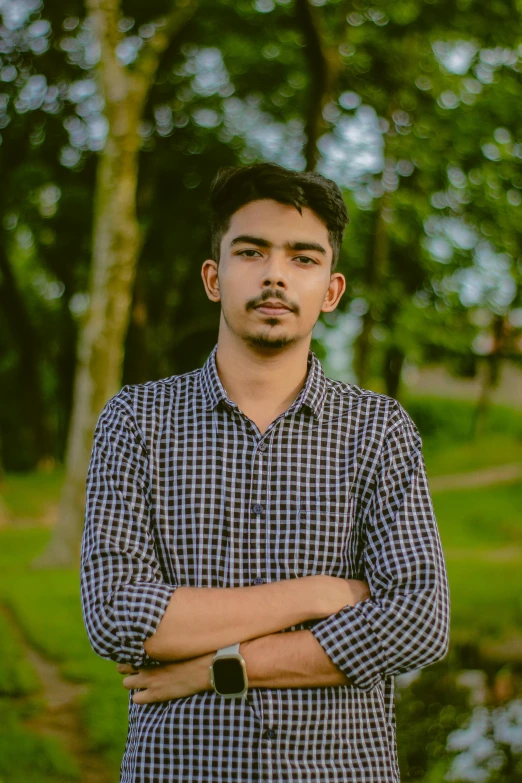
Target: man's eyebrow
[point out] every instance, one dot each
(260, 242)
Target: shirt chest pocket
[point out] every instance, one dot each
(324, 526)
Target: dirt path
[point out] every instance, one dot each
(60, 718)
(502, 474)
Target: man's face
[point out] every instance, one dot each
(270, 251)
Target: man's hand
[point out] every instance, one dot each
(168, 680)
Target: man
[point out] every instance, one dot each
(260, 553)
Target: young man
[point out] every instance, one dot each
(260, 552)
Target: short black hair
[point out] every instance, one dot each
(235, 186)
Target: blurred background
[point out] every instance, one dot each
(113, 121)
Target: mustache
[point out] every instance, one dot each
(276, 297)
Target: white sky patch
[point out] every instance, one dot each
(455, 56)
(338, 343)
(487, 282)
(275, 141)
(210, 74)
(354, 148)
(15, 13)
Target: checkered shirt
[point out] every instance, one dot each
(182, 489)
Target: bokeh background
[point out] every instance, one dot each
(113, 122)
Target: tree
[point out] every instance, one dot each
(116, 243)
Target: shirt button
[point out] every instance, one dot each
(263, 446)
(258, 580)
(257, 508)
(269, 734)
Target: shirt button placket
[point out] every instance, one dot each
(259, 510)
(268, 748)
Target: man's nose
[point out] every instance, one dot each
(275, 269)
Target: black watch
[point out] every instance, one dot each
(228, 674)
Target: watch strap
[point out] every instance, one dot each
(231, 649)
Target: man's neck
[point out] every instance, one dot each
(258, 381)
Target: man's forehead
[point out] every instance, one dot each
(278, 224)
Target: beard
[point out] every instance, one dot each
(266, 341)
(264, 338)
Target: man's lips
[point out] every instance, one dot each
(267, 307)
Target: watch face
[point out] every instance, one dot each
(228, 676)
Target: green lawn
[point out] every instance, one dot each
(485, 452)
(29, 495)
(24, 754)
(480, 518)
(47, 605)
(481, 533)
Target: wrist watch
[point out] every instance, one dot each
(228, 674)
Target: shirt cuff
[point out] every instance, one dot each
(348, 639)
(137, 609)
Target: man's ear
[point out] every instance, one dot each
(209, 273)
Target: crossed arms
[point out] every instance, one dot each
(133, 617)
(198, 620)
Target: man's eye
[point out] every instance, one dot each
(306, 258)
(250, 250)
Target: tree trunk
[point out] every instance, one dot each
(393, 364)
(27, 342)
(116, 244)
(490, 376)
(324, 69)
(376, 270)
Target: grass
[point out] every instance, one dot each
(451, 421)
(483, 518)
(486, 603)
(27, 757)
(47, 606)
(485, 452)
(481, 534)
(29, 495)
(17, 677)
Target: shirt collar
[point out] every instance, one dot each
(312, 393)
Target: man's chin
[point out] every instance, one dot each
(268, 342)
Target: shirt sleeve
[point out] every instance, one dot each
(123, 593)
(404, 624)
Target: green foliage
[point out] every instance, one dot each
(427, 711)
(486, 602)
(444, 420)
(104, 713)
(484, 452)
(446, 151)
(31, 495)
(471, 514)
(17, 678)
(28, 757)
(47, 606)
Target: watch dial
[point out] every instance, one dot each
(228, 676)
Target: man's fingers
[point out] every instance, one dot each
(126, 668)
(135, 681)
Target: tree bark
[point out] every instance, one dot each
(491, 375)
(115, 249)
(393, 364)
(26, 339)
(324, 68)
(376, 270)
